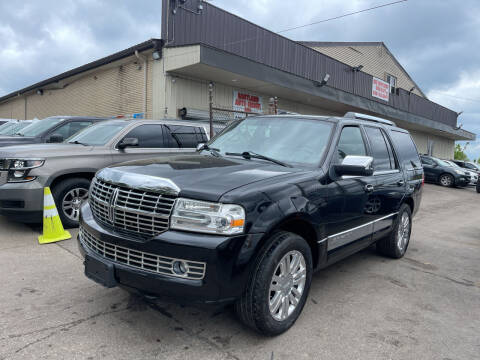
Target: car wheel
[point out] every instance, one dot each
(395, 245)
(478, 186)
(279, 285)
(68, 195)
(447, 180)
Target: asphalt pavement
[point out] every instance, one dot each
(424, 306)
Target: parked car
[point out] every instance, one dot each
(468, 165)
(251, 216)
(440, 172)
(473, 176)
(12, 127)
(69, 167)
(49, 130)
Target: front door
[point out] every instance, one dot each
(350, 197)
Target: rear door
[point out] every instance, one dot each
(390, 182)
(430, 169)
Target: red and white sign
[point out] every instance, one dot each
(380, 89)
(247, 102)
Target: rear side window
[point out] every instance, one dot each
(71, 128)
(383, 157)
(149, 136)
(184, 136)
(351, 143)
(407, 151)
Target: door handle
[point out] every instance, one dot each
(369, 188)
(401, 183)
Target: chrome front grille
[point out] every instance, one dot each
(139, 259)
(131, 210)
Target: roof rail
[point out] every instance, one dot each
(354, 115)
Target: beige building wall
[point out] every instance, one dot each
(442, 147)
(376, 60)
(111, 90)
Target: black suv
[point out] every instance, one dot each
(251, 216)
(440, 172)
(53, 129)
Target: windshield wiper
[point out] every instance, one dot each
(213, 151)
(18, 134)
(78, 143)
(250, 154)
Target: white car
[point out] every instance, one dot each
(473, 175)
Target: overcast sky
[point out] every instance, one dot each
(437, 41)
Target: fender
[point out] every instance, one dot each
(72, 171)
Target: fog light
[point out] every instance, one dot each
(180, 267)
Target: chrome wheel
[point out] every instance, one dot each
(287, 285)
(403, 234)
(446, 180)
(71, 202)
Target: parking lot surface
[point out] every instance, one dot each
(424, 306)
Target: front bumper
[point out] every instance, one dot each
(22, 201)
(227, 260)
(462, 181)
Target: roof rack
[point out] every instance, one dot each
(354, 115)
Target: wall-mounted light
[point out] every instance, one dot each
(413, 88)
(156, 55)
(323, 82)
(459, 113)
(357, 68)
(40, 92)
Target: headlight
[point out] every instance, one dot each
(459, 172)
(18, 169)
(207, 217)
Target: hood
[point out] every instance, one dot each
(202, 177)
(17, 140)
(44, 150)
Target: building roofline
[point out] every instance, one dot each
(149, 44)
(362, 43)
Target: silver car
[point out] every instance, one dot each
(68, 167)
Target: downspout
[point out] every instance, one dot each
(145, 62)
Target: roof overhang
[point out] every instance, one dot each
(210, 64)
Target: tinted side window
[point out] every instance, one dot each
(351, 142)
(184, 136)
(427, 161)
(407, 151)
(381, 149)
(149, 136)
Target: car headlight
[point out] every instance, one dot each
(19, 169)
(207, 217)
(459, 172)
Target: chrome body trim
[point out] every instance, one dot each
(386, 172)
(348, 236)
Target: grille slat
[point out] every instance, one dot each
(134, 211)
(140, 260)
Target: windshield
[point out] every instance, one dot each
(442, 163)
(98, 134)
(12, 128)
(291, 140)
(451, 163)
(40, 127)
(472, 166)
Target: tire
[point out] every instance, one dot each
(478, 186)
(391, 245)
(446, 180)
(72, 190)
(253, 308)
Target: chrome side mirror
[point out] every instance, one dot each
(353, 165)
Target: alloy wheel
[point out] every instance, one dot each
(403, 234)
(287, 285)
(71, 202)
(446, 180)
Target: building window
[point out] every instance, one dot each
(392, 80)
